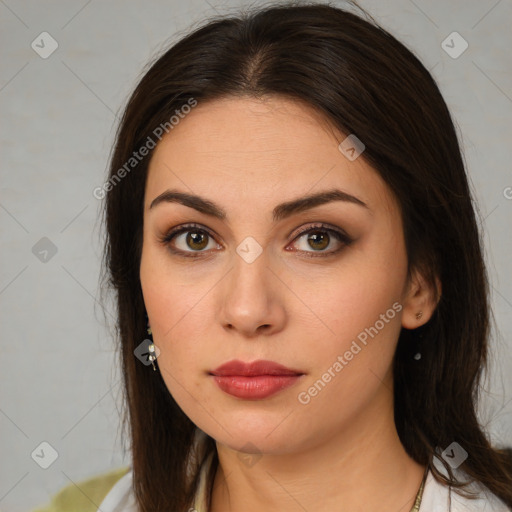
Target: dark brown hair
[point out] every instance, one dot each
(367, 83)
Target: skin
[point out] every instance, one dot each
(341, 450)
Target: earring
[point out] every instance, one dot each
(417, 356)
(151, 348)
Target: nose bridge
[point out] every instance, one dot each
(249, 282)
(251, 264)
(250, 297)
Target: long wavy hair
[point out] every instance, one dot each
(367, 83)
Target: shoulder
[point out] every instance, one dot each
(86, 495)
(438, 497)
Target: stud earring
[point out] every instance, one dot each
(419, 315)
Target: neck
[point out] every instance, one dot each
(363, 467)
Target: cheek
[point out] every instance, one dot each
(172, 292)
(362, 325)
(351, 365)
(356, 296)
(176, 309)
(357, 317)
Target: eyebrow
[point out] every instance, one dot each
(281, 211)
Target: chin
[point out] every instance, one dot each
(255, 437)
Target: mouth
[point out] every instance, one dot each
(256, 380)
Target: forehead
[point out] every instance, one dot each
(235, 127)
(258, 149)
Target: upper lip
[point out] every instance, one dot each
(261, 367)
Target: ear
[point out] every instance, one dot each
(419, 296)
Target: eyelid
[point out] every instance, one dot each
(172, 233)
(318, 225)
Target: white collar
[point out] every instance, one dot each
(436, 496)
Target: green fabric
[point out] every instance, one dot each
(85, 496)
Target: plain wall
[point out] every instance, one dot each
(60, 382)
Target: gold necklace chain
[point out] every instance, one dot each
(417, 502)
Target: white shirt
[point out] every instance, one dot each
(435, 496)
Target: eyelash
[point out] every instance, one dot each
(340, 235)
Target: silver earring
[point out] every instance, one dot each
(151, 348)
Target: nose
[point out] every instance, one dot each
(252, 298)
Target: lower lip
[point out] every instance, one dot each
(257, 387)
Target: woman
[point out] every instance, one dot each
(302, 298)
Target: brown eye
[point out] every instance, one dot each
(196, 240)
(318, 238)
(187, 240)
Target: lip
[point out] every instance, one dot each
(256, 380)
(256, 368)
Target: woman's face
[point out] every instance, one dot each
(249, 287)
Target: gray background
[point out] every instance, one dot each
(59, 378)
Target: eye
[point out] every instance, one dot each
(319, 237)
(196, 241)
